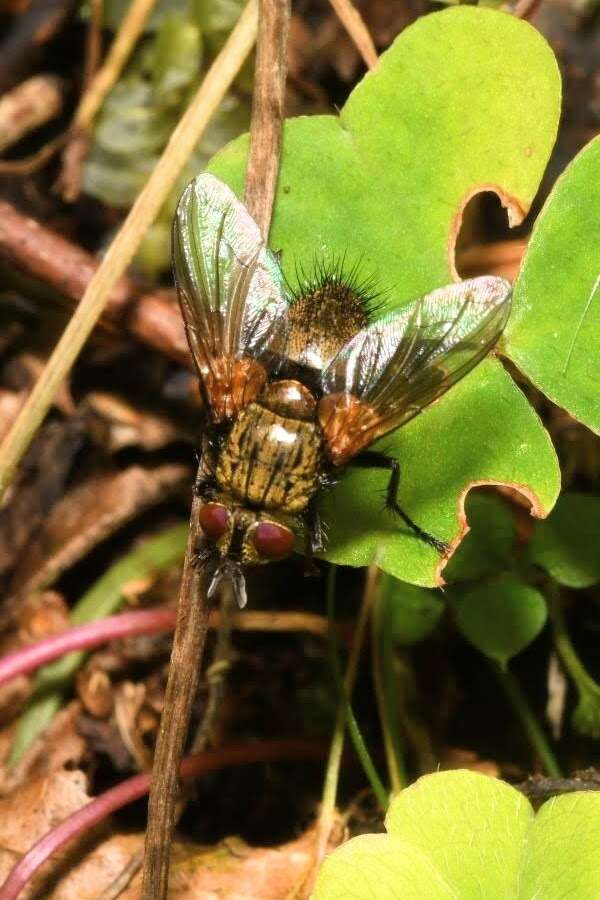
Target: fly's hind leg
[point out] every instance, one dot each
(371, 459)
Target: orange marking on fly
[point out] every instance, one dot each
(348, 425)
(233, 384)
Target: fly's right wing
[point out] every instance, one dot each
(231, 295)
(394, 368)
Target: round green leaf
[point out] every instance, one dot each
(411, 613)
(566, 545)
(554, 332)
(489, 542)
(473, 828)
(465, 100)
(500, 618)
(470, 837)
(562, 858)
(380, 867)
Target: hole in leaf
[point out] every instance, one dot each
(485, 244)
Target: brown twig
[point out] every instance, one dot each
(540, 788)
(29, 105)
(184, 670)
(192, 620)
(77, 140)
(59, 267)
(524, 9)
(29, 164)
(120, 50)
(354, 24)
(267, 111)
(32, 29)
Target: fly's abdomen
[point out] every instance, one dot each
(270, 460)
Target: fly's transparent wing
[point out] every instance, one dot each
(394, 368)
(231, 295)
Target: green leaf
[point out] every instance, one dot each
(464, 99)
(562, 857)
(554, 332)
(489, 542)
(410, 613)
(379, 867)
(566, 545)
(471, 837)
(468, 824)
(502, 617)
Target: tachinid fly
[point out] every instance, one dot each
(296, 392)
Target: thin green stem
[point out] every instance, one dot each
(344, 689)
(384, 678)
(527, 717)
(565, 647)
(586, 715)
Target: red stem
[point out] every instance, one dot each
(82, 637)
(136, 787)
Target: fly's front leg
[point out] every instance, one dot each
(313, 537)
(371, 459)
(205, 485)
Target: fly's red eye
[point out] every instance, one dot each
(273, 541)
(214, 518)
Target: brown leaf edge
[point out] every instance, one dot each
(535, 509)
(516, 211)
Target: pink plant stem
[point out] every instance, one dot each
(136, 787)
(82, 637)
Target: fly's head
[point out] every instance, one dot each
(236, 537)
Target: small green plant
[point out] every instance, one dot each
(464, 835)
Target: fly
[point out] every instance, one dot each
(295, 393)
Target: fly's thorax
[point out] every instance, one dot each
(289, 399)
(272, 461)
(245, 536)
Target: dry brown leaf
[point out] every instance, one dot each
(88, 514)
(40, 481)
(459, 758)
(94, 689)
(61, 745)
(115, 424)
(230, 869)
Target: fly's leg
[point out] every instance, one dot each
(371, 459)
(313, 537)
(204, 486)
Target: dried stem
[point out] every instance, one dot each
(120, 50)
(120, 253)
(192, 620)
(78, 139)
(184, 671)
(354, 24)
(216, 673)
(267, 111)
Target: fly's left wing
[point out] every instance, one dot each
(231, 295)
(394, 368)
